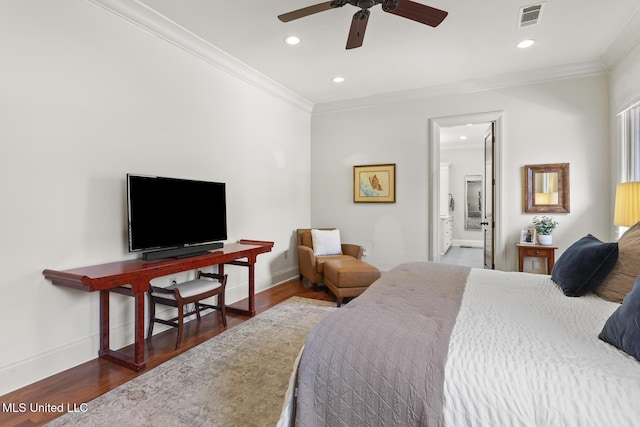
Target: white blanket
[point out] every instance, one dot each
(523, 354)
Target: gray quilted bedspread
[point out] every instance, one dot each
(379, 360)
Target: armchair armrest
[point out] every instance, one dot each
(306, 262)
(306, 256)
(352, 250)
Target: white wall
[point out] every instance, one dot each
(86, 97)
(554, 122)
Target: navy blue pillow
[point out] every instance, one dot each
(622, 329)
(583, 266)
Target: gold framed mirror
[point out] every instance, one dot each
(546, 188)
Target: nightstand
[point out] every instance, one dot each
(537, 251)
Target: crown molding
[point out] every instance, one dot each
(561, 72)
(149, 20)
(627, 39)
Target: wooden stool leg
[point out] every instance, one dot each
(197, 307)
(180, 324)
(222, 309)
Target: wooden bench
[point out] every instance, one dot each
(190, 292)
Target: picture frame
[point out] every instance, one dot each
(374, 183)
(528, 236)
(546, 188)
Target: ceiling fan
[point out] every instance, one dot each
(406, 8)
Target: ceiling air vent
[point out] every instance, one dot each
(530, 15)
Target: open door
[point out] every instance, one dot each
(488, 222)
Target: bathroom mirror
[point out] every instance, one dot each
(473, 202)
(546, 188)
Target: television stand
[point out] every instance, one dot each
(132, 278)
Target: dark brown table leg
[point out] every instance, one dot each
(252, 290)
(251, 311)
(139, 329)
(137, 362)
(104, 322)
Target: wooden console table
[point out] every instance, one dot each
(132, 278)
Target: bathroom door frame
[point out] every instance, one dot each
(433, 163)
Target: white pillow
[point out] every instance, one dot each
(326, 242)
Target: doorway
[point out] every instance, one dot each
(468, 245)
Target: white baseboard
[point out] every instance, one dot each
(46, 364)
(43, 365)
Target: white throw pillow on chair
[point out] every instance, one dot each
(326, 242)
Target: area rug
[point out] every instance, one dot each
(238, 378)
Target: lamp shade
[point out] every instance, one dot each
(627, 211)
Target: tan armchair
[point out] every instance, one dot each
(311, 266)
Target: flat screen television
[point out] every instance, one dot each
(171, 217)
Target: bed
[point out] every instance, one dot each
(434, 344)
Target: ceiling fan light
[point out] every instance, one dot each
(525, 44)
(292, 40)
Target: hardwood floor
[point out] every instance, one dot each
(96, 377)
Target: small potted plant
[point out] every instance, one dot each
(544, 226)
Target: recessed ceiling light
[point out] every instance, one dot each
(337, 79)
(525, 44)
(292, 40)
(463, 137)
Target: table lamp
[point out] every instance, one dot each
(627, 210)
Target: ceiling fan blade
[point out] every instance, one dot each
(306, 11)
(358, 27)
(419, 12)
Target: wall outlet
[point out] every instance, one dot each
(173, 281)
(364, 251)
